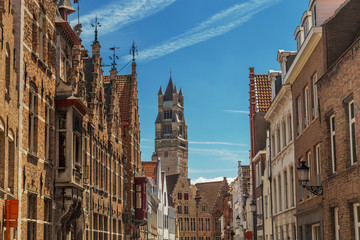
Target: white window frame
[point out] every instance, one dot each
(307, 112)
(336, 223)
(332, 141)
(314, 227)
(357, 221)
(313, 14)
(351, 126)
(317, 159)
(299, 116)
(315, 97)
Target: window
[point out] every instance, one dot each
(203, 208)
(307, 115)
(336, 223)
(192, 224)
(292, 199)
(77, 145)
(2, 156)
(47, 130)
(298, 41)
(308, 159)
(181, 224)
(299, 116)
(180, 209)
(315, 97)
(179, 196)
(286, 189)
(315, 229)
(186, 209)
(11, 164)
(7, 69)
(207, 224)
(284, 134)
(31, 222)
(168, 114)
(306, 27)
(47, 219)
(278, 146)
(186, 224)
(201, 224)
(313, 13)
(41, 35)
(275, 196)
(33, 119)
(290, 128)
(357, 220)
(186, 196)
(138, 196)
(352, 132)
(167, 129)
(318, 166)
(333, 144)
(280, 192)
(217, 224)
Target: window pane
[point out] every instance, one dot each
(352, 110)
(353, 141)
(358, 214)
(333, 124)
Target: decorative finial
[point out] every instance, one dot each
(170, 73)
(133, 51)
(113, 58)
(96, 25)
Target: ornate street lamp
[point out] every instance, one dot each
(303, 174)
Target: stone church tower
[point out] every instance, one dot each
(171, 143)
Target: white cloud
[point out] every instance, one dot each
(216, 179)
(191, 170)
(146, 140)
(216, 25)
(236, 111)
(219, 143)
(116, 15)
(220, 154)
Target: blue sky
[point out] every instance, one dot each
(209, 46)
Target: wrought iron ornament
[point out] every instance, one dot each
(96, 25)
(113, 58)
(133, 51)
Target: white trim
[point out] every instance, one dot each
(332, 143)
(336, 223)
(356, 221)
(352, 122)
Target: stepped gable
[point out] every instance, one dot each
(262, 92)
(171, 181)
(150, 169)
(124, 90)
(210, 191)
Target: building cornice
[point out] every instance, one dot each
(304, 53)
(278, 103)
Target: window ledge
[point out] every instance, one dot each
(353, 166)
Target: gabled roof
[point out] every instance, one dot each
(169, 91)
(262, 92)
(150, 169)
(210, 192)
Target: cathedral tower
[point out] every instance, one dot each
(171, 143)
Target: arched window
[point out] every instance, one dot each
(7, 68)
(33, 118)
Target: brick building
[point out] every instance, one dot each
(306, 68)
(338, 91)
(199, 207)
(126, 89)
(260, 99)
(171, 132)
(36, 37)
(9, 114)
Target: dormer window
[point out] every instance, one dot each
(306, 22)
(299, 37)
(313, 14)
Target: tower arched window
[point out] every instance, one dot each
(7, 69)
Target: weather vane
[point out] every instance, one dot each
(96, 25)
(113, 58)
(133, 51)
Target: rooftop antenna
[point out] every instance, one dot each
(113, 58)
(133, 51)
(96, 25)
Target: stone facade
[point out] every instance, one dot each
(9, 114)
(171, 143)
